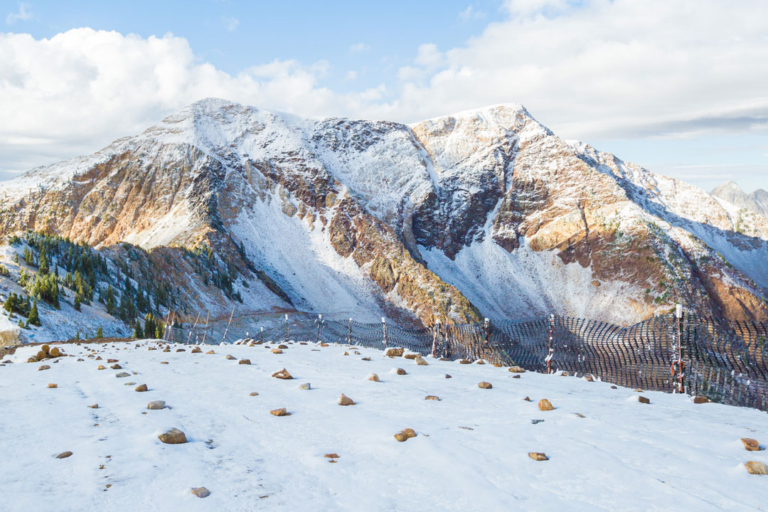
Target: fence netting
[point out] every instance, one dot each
(726, 362)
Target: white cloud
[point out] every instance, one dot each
(359, 47)
(230, 24)
(350, 76)
(597, 69)
(471, 14)
(23, 14)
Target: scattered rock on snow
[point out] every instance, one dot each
(229, 357)
(485, 385)
(43, 367)
(244, 361)
(516, 369)
(751, 445)
(116, 367)
(756, 468)
(331, 455)
(448, 376)
(156, 405)
(538, 456)
(141, 388)
(122, 375)
(53, 386)
(411, 355)
(405, 435)
(201, 492)
(700, 400)
(373, 378)
(173, 436)
(282, 374)
(643, 400)
(545, 405)
(94, 406)
(400, 371)
(64, 455)
(254, 393)
(276, 351)
(394, 352)
(421, 362)
(280, 412)
(306, 386)
(196, 350)
(431, 397)
(210, 352)
(345, 400)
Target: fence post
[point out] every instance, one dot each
(349, 332)
(231, 315)
(384, 327)
(551, 339)
(286, 327)
(435, 334)
(678, 366)
(319, 326)
(262, 335)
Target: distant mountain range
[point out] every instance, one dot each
(484, 213)
(756, 202)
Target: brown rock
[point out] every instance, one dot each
(700, 400)
(43, 367)
(614, 387)
(545, 405)
(400, 371)
(254, 393)
(141, 388)
(173, 436)
(52, 386)
(276, 351)
(374, 378)
(282, 347)
(280, 412)
(643, 400)
(210, 352)
(517, 376)
(394, 352)
(323, 344)
(163, 362)
(94, 406)
(479, 361)
(196, 350)
(156, 405)
(244, 361)
(282, 374)
(465, 361)
(180, 350)
(98, 358)
(589, 378)
(110, 361)
(230, 358)
(421, 362)
(201, 492)
(366, 359)
(405, 435)
(579, 415)
(538, 456)
(345, 400)
(448, 376)
(431, 397)
(331, 455)
(527, 399)
(64, 455)
(411, 356)
(166, 349)
(32, 359)
(751, 445)
(116, 367)
(485, 385)
(756, 468)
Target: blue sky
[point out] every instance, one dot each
(675, 85)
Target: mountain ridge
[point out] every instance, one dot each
(482, 213)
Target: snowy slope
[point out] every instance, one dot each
(471, 451)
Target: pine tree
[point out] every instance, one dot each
(149, 325)
(99, 333)
(34, 317)
(138, 333)
(77, 302)
(43, 267)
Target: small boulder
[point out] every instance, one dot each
(180, 350)
(173, 436)
(280, 412)
(516, 376)
(538, 456)
(373, 378)
(116, 367)
(366, 359)
(431, 397)
(276, 351)
(306, 386)
(394, 352)
(43, 367)
(229, 357)
(465, 361)
(756, 468)
(282, 347)
(163, 362)
(405, 435)
(545, 405)
(253, 393)
(614, 387)
(210, 352)
(643, 400)
(345, 400)
(485, 385)
(411, 355)
(196, 350)
(244, 361)
(421, 362)
(201, 492)
(400, 371)
(110, 361)
(282, 374)
(751, 445)
(331, 455)
(156, 405)
(700, 400)
(94, 406)
(141, 388)
(448, 376)
(64, 455)
(122, 375)
(52, 386)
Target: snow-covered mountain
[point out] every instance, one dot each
(481, 213)
(756, 201)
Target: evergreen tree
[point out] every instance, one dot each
(138, 333)
(34, 317)
(43, 267)
(77, 302)
(149, 325)
(99, 333)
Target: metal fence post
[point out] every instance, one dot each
(262, 335)
(286, 327)
(349, 332)
(551, 339)
(678, 366)
(435, 334)
(319, 326)
(384, 327)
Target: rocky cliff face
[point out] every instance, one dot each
(481, 213)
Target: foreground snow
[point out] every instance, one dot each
(471, 452)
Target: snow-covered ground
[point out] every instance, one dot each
(471, 451)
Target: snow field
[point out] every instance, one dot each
(471, 451)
